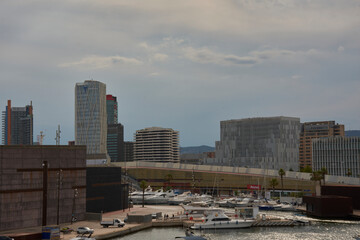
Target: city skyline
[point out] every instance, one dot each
(202, 62)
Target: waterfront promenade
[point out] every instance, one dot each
(106, 233)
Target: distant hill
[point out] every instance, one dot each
(352, 133)
(198, 149)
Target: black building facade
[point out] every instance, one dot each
(105, 191)
(115, 142)
(129, 151)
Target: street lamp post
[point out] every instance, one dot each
(45, 188)
(58, 196)
(73, 218)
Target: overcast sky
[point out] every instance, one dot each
(185, 64)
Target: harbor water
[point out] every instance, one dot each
(319, 229)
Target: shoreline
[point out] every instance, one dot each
(112, 232)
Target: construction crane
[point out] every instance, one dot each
(40, 138)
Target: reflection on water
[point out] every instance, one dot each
(318, 230)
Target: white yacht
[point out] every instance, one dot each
(181, 198)
(218, 219)
(196, 211)
(136, 197)
(160, 197)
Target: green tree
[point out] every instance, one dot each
(306, 169)
(143, 185)
(273, 183)
(282, 174)
(316, 176)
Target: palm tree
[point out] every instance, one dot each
(349, 172)
(282, 174)
(273, 183)
(168, 179)
(323, 171)
(143, 185)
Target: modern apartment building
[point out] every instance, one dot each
(115, 142)
(90, 116)
(339, 155)
(269, 143)
(111, 109)
(311, 130)
(17, 125)
(157, 144)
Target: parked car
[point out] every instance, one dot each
(84, 230)
(66, 230)
(115, 222)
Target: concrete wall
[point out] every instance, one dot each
(227, 178)
(21, 184)
(134, 218)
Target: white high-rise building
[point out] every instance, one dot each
(339, 155)
(157, 144)
(90, 116)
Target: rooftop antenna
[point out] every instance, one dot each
(57, 138)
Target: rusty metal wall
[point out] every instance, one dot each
(21, 185)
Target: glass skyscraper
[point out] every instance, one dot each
(111, 109)
(90, 116)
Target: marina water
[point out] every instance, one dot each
(319, 229)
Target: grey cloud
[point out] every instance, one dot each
(100, 62)
(241, 60)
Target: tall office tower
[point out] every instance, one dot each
(115, 142)
(157, 144)
(111, 109)
(311, 130)
(339, 155)
(90, 116)
(129, 151)
(17, 125)
(268, 143)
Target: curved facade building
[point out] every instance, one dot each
(157, 145)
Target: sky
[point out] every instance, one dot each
(185, 65)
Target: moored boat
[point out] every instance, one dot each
(218, 219)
